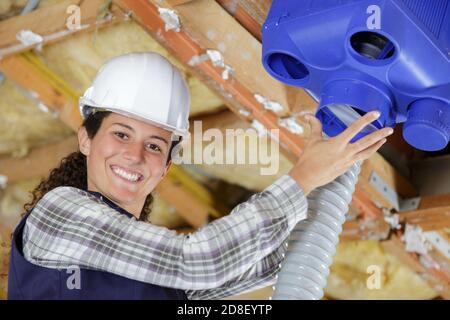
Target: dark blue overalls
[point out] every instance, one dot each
(29, 281)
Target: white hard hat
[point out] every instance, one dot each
(144, 86)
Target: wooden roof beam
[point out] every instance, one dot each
(427, 202)
(178, 2)
(38, 162)
(365, 229)
(5, 236)
(52, 24)
(242, 15)
(257, 9)
(428, 219)
(432, 219)
(436, 277)
(29, 72)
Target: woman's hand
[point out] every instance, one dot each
(322, 160)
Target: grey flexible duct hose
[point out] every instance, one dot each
(312, 243)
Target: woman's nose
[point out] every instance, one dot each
(134, 153)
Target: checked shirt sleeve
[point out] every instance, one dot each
(69, 227)
(260, 275)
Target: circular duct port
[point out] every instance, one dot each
(428, 124)
(287, 67)
(372, 46)
(344, 101)
(336, 118)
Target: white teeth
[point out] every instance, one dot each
(129, 176)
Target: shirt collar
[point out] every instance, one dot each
(111, 204)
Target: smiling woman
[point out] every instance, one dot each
(89, 215)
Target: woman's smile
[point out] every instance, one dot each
(126, 174)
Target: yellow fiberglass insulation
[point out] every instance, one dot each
(24, 123)
(356, 267)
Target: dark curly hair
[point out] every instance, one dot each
(72, 171)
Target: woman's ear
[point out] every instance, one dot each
(84, 142)
(166, 170)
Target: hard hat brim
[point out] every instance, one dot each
(86, 107)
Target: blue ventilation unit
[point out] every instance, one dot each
(356, 56)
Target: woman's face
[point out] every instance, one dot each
(126, 159)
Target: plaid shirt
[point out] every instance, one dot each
(237, 253)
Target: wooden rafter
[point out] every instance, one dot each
(27, 71)
(39, 161)
(5, 232)
(193, 211)
(437, 278)
(257, 9)
(5, 236)
(442, 200)
(428, 219)
(178, 2)
(365, 229)
(246, 20)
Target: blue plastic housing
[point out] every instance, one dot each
(386, 55)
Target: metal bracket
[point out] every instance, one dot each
(438, 242)
(409, 204)
(387, 192)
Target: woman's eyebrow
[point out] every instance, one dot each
(151, 136)
(160, 138)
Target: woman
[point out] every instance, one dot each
(84, 235)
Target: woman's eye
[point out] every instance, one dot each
(121, 135)
(154, 147)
